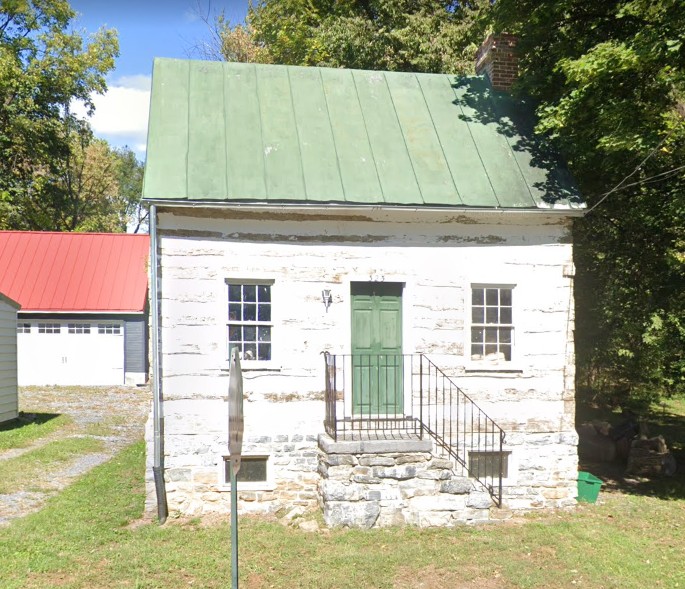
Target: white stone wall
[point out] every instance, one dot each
(438, 256)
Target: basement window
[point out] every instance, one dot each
(492, 327)
(49, 328)
(23, 328)
(254, 474)
(487, 464)
(249, 320)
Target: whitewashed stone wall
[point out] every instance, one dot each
(438, 256)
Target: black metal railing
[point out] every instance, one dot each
(396, 396)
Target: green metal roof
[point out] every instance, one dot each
(270, 133)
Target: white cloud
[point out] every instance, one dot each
(121, 114)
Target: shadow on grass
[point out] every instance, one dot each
(25, 419)
(660, 422)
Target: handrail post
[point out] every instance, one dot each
(421, 396)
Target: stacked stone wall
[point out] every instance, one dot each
(388, 483)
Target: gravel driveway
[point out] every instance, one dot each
(114, 415)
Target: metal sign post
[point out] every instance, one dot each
(236, 425)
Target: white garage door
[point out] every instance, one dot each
(70, 352)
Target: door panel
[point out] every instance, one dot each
(377, 348)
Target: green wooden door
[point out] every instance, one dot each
(377, 365)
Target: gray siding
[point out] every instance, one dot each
(135, 344)
(8, 361)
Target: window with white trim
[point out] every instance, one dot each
(23, 327)
(249, 320)
(109, 329)
(492, 328)
(49, 328)
(78, 327)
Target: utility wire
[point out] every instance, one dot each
(620, 186)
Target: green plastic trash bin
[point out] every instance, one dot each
(588, 487)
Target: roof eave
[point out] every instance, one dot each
(578, 211)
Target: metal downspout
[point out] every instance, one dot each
(157, 414)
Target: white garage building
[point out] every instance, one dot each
(83, 296)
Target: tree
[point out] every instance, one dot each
(99, 188)
(403, 35)
(43, 68)
(609, 80)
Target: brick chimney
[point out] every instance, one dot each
(497, 58)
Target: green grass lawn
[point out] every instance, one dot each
(29, 427)
(84, 538)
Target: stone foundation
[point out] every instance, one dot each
(378, 483)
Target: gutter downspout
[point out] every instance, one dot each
(157, 414)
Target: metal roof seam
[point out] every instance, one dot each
(224, 116)
(475, 146)
(511, 149)
(404, 139)
(261, 131)
(368, 138)
(297, 134)
(187, 139)
(442, 147)
(330, 125)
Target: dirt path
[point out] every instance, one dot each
(114, 415)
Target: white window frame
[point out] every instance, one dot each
(49, 327)
(247, 362)
(267, 485)
(488, 364)
(24, 327)
(79, 328)
(109, 328)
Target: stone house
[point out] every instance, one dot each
(391, 254)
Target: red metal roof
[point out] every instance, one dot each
(74, 272)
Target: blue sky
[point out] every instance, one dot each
(147, 29)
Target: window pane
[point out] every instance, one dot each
(249, 292)
(264, 312)
(234, 333)
(234, 312)
(478, 315)
(252, 470)
(505, 315)
(250, 352)
(234, 293)
(264, 352)
(491, 297)
(491, 315)
(264, 294)
(505, 297)
(505, 335)
(476, 351)
(249, 312)
(477, 334)
(490, 349)
(477, 296)
(491, 335)
(264, 334)
(506, 350)
(249, 333)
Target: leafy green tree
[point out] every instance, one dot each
(403, 35)
(44, 66)
(609, 80)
